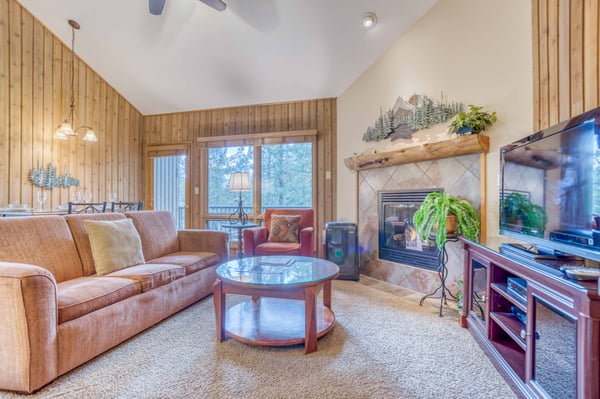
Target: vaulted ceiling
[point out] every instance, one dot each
(256, 51)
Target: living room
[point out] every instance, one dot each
(501, 55)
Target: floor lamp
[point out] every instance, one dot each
(239, 181)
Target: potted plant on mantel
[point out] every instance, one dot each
(473, 121)
(442, 214)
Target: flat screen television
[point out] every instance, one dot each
(550, 188)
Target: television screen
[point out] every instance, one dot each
(550, 187)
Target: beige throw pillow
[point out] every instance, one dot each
(284, 228)
(115, 244)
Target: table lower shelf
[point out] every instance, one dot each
(274, 321)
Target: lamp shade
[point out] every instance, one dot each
(90, 135)
(63, 131)
(239, 181)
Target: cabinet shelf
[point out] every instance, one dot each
(511, 326)
(502, 289)
(512, 354)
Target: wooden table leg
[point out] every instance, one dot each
(310, 310)
(327, 294)
(219, 299)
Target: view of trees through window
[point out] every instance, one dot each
(285, 171)
(286, 179)
(221, 163)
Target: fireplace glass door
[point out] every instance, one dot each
(398, 239)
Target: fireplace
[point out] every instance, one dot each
(398, 240)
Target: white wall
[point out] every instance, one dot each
(474, 51)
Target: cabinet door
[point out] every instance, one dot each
(476, 285)
(553, 337)
(479, 289)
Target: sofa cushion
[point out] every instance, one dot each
(157, 231)
(115, 244)
(151, 275)
(80, 235)
(44, 241)
(284, 228)
(191, 261)
(277, 248)
(84, 295)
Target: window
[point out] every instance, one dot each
(285, 174)
(221, 163)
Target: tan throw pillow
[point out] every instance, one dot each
(115, 244)
(284, 228)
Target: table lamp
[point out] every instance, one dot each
(239, 181)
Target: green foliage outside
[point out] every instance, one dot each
(286, 175)
(221, 163)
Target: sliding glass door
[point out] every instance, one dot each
(169, 182)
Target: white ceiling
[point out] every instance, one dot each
(256, 51)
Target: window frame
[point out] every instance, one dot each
(256, 140)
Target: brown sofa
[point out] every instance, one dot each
(56, 313)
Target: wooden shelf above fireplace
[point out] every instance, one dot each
(463, 145)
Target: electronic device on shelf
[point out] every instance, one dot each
(582, 273)
(517, 288)
(519, 314)
(533, 253)
(549, 261)
(549, 192)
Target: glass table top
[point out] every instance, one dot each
(277, 270)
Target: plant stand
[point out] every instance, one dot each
(442, 292)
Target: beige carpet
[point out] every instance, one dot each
(382, 346)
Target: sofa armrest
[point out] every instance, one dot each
(203, 240)
(254, 236)
(307, 242)
(28, 331)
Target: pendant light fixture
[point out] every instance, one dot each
(65, 129)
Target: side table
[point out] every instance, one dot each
(239, 227)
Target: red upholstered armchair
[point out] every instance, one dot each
(257, 242)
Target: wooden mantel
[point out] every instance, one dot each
(462, 145)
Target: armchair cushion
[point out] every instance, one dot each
(284, 228)
(256, 242)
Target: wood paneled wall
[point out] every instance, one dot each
(35, 95)
(566, 59)
(293, 116)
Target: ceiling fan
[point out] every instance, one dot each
(156, 6)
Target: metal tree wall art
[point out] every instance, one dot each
(47, 178)
(406, 117)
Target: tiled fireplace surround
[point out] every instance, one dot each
(460, 176)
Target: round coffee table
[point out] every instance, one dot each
(283, 309)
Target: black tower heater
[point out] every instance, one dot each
(341, 248)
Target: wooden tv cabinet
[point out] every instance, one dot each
(545, 339)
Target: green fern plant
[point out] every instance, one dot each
(431, 218)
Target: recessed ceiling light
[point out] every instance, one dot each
(368, 20)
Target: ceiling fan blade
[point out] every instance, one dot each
(216, 4)
(156, 6)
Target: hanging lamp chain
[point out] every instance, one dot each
(72, 75)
